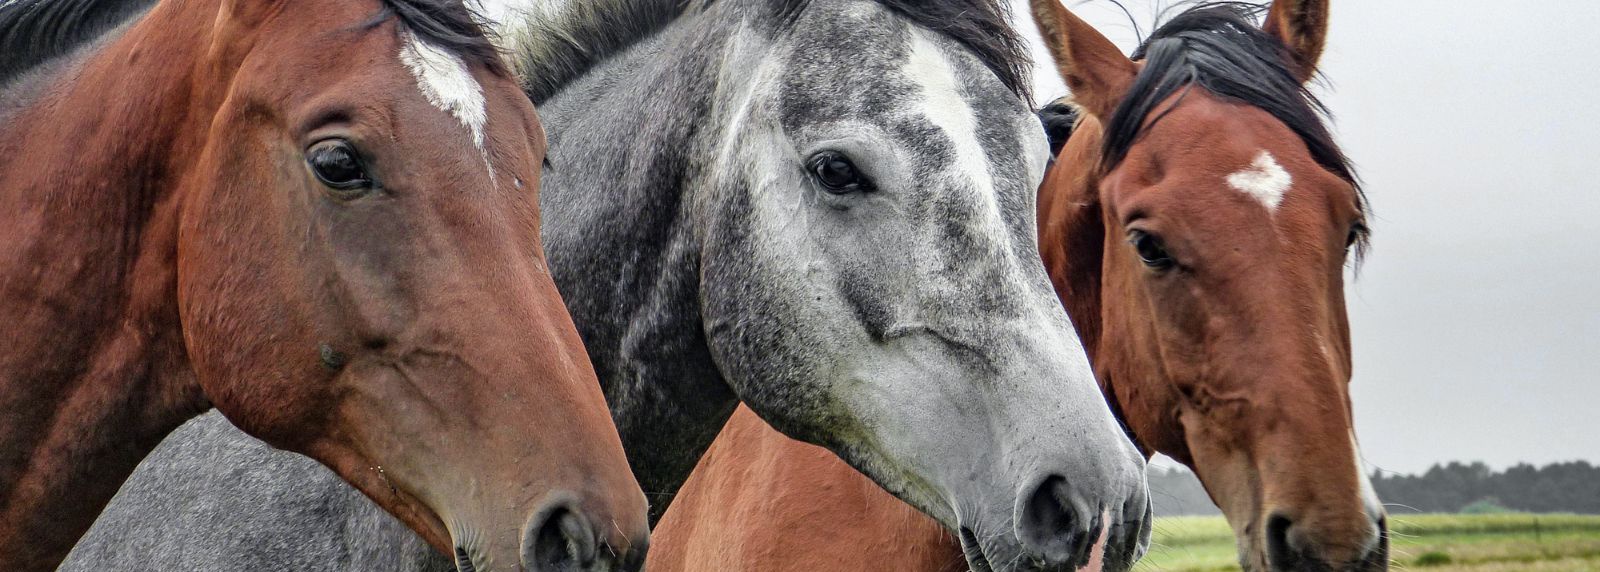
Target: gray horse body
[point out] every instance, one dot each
(212, 498)
(648, 218)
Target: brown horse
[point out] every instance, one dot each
(319, 217)
(1196, 225)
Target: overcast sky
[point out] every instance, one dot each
(1474, 127)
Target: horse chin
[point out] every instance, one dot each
(1251, 557)
(980, 559)
(420, 518)
(374, 482)
(973, 550)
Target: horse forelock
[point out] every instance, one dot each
(450, 25)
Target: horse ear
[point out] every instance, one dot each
(1094, 69)
(1302, 26)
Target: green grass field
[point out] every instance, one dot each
(1421, 543)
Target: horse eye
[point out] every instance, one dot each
(1150, 250)
(335, 163)
(837, 174)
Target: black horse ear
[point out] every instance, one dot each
(1302, 26)
(1058, 117)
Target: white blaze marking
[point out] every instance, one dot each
(1264, 179)
(943, 106)
(447, 84)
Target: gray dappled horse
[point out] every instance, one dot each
(824, 209)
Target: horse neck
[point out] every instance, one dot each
(94, 371)
(627, 190)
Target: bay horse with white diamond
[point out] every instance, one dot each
(319, 217)
(1196, 225)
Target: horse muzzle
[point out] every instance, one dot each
(1292, 550)
(560, 537)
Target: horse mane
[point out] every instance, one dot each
(556, 46)
(1219, 47)
(33, 32)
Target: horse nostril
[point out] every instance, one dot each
(1281, 553)
(563, 542)
(1052, 527)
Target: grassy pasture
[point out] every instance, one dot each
(1419, 542)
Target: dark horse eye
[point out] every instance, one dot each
(336, 164)
(837, 174)
(1150, 250)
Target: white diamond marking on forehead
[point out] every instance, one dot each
(1264, 179)
(445, 81)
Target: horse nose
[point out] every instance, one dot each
(559, 538)
(1055, 524)
(1292, 546)
(1058, 526)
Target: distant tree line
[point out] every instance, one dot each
(1558, 487)
(1454, 487)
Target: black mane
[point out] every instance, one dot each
(1220, 48)
(36, 31)
(33, 32)
(565, 44)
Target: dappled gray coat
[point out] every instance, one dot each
(229, 514)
